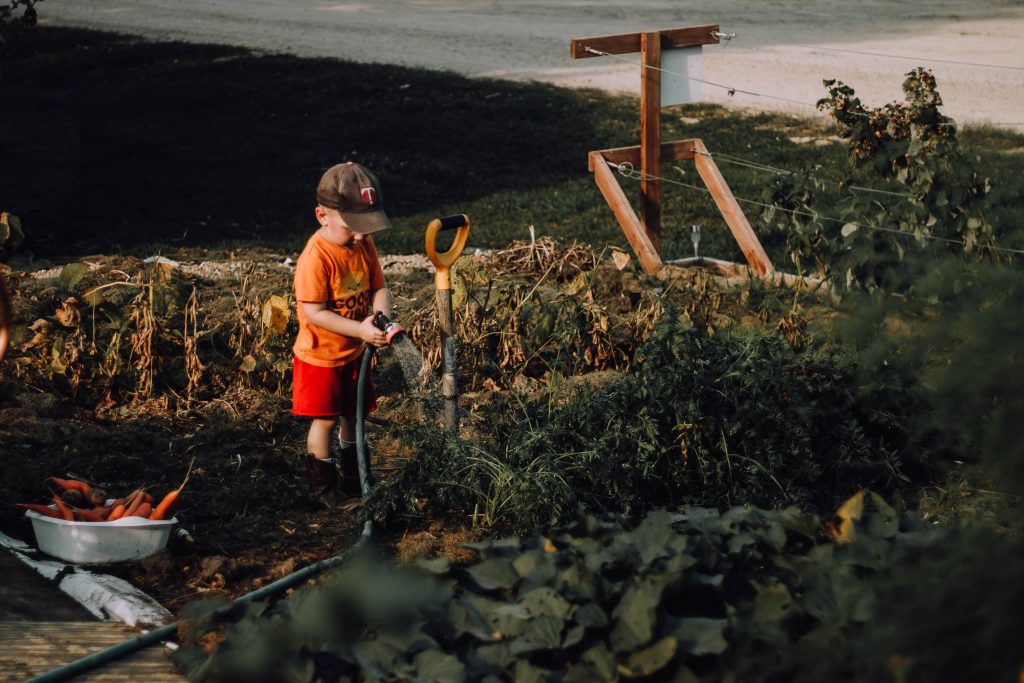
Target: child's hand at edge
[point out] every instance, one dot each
(370, 334)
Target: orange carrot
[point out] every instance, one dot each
(71, 484)
(166, 505)
(134, 503)
(117, 512)
(41, 509)
(88, 516)
(142, 511)
(171, 499)
(64, 510)
(101, 510)
(127, 500)
(123, 500)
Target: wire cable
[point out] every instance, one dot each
(868, 53)
(912, 59)
(628, 171)
(758, 166)
(732, 90)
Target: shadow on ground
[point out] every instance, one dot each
(111, 142)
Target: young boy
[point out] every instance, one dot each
(339, 285)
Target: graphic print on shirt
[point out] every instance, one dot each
(353, 301)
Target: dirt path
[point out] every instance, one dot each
(778, 49)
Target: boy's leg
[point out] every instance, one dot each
(318, 441)
(323, 473)
(315, 390)
(347, 429)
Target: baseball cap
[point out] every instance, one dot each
(354, 191)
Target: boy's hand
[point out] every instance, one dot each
(369, 333)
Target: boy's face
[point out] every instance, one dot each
(335, 229)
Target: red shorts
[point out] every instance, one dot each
(328, 392)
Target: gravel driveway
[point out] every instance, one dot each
(782, 49)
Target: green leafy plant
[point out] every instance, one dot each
(15, 17)
(746, 594)
(912, 189)
(953, 342)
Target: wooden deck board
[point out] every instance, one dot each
(29, 649)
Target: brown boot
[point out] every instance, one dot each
(323, 483)
(348, 463)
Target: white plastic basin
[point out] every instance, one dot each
(125, 539)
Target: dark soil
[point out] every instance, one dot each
(245, 506)
(245, 500)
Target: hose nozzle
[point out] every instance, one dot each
(391, 330)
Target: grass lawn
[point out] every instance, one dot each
(117, 145)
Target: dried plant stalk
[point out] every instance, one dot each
(193, 367)
(146, 329)
(539, 256)
(249, 315)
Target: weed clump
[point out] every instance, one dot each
(710, 419)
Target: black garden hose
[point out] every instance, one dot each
(363, 458)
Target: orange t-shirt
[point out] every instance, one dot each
(343, 277)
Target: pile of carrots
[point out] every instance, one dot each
(76, 501)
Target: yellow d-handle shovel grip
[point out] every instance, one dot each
(445, 260)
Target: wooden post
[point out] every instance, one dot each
(624, 43)
(599, 163)
(449, 360)
(649, 44)
(731, 211)
(635, 233)
(644, 233)
(650, 136)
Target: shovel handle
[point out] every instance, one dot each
(453, 222)
(443, 261)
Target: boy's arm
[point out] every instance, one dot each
(383, 301)
(318, 314)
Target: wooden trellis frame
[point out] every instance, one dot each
(644, 235)
(638, 234)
